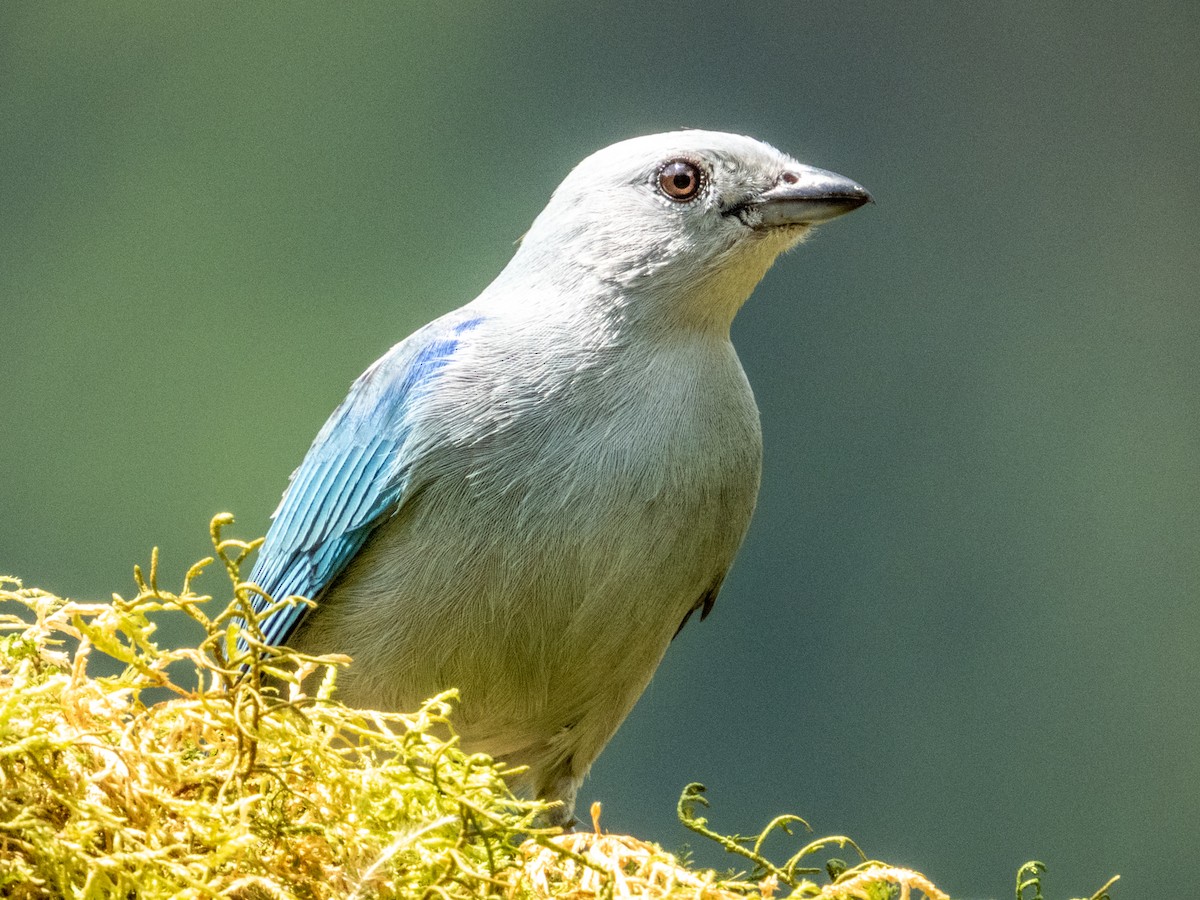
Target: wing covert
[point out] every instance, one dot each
(353, 475)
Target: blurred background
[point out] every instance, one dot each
(965, 626)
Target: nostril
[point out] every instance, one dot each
(790, 178)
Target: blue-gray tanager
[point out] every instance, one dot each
(528, 497)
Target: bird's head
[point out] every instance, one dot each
(686, 222)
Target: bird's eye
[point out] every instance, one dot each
(680, 180)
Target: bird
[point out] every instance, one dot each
(527, 498)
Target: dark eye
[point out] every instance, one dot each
(680, 180)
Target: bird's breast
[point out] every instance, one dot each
(673, 426)
(619, 487)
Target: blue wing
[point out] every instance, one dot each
(352, 477)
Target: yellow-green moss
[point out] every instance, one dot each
(243, 784)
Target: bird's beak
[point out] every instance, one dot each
(805, 196)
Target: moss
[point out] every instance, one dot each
(243, 784)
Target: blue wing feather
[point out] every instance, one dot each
(352, 476)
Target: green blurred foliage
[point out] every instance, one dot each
(966, 620)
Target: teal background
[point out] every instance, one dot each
(965, 625)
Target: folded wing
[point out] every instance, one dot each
(353, 476)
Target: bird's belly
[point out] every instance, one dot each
(524, 587)
(541, 603)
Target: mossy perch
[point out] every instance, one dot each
(243, 785)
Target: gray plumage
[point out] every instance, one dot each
(526, 498)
